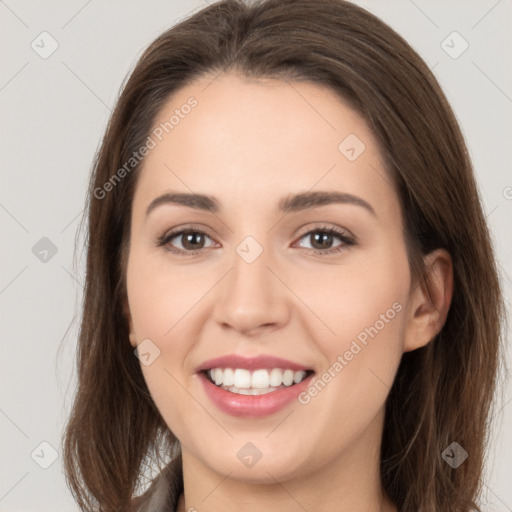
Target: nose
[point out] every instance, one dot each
(252, 299)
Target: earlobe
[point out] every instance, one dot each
(430, 301)
(128, 316)
(133, 341)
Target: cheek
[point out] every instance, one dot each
(161, 296)
(164, 308)
(360, 301)
(364, 305)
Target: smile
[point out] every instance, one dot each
(257, 382)
(253, 386)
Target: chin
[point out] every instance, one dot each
(269, 467)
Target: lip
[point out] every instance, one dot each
(252, 405)
(250, 363)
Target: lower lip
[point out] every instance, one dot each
(252, 405)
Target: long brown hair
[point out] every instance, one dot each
(443, 392)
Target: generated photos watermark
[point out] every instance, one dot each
(357, 345)
(152, 140)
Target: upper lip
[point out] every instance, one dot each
(250, 363)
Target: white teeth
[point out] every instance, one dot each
(260, 379)
(276, 377)
(217, 376)
(250, 391)
(229, 377)
(242, 378)
(299, 376)
(258, 382)
(288, 377)
(262, 391)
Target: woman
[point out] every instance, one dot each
(355, 372)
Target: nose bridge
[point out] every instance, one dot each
(251, 295)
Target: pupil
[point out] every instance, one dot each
(323, 238)
(190, 240)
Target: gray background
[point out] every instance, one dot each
(53, 113)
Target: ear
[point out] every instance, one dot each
(128, 316)
(430, 301)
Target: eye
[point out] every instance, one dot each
(322, 239)
(192, 241)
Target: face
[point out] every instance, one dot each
(290, 280)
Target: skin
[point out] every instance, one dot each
(249, 143)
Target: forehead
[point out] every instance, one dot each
(257, 140)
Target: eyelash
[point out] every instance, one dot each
(347, 240)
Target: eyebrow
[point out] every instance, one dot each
(288, 204)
